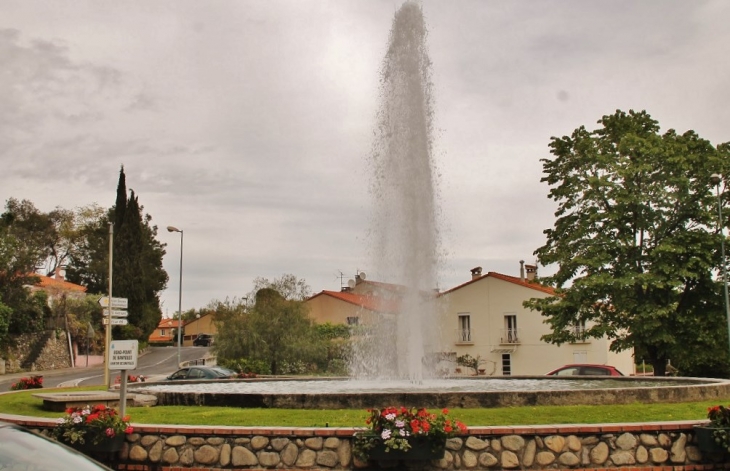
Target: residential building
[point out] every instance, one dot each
(57, 287)
(166, 331)
(200, 325)
(483, 317)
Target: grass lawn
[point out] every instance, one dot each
(23, 403)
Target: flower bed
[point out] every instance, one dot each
(394, 432)
(34, 382)
(715, 438)
(88, 425)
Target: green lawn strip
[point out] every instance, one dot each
(23, 403)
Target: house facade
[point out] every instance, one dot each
(200, 325)
(483, 318)
(166, 331)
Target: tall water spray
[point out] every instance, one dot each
(404, 235)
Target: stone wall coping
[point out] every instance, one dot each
(219, 430)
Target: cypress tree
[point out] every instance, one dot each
(120, 206)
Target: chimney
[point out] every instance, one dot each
(476, 272)
(522, 270)
(531, 272)
(58, 275)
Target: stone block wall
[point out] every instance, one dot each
(631, 447)
(53, 355)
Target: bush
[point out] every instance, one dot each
(245, 365)
(337, 366)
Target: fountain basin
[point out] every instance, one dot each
(461, 393)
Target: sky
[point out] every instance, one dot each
(248, 123)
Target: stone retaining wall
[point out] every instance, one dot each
(53, 355)
(664, 446)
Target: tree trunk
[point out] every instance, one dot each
(660, 367)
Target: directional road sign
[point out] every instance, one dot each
(116, 321)
(123, 354)
(120, 303)
(116, 313)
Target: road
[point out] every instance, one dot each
(155, 362)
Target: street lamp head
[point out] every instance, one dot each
(173, 229)
(715, 179)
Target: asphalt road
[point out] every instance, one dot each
(155, 363)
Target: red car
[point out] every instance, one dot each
(586, 370)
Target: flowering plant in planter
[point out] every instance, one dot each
(91, 425)
(34, 382)
(720, 424)
(396, 429)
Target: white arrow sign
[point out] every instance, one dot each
(116, 321)
(120, 303)
(116, 313)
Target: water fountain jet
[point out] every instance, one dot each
(405, 242)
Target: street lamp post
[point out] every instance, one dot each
(179, 298)
(715, 179)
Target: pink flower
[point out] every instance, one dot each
(110, 432)
(129, 429)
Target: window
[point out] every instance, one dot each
(510, 328)
(464, 332)
(353, 320)
(579, 330)
(506, 364)
(162, 332)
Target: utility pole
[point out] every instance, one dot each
(108, 341)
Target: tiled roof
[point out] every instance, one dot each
(372, 303)
(167, 323)
(511, 279)
(46, 282)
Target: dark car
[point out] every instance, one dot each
(203, 340)
(586, 370)
(202, 372)
(22, 449)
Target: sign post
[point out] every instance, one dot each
(113, 317)
(123, 356)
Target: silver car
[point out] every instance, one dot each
(25, 450)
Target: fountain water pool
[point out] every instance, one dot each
(452, 393)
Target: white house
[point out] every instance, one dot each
(484, 318)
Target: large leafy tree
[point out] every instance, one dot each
(46, 237)
(20, 310)
(271, 326)
(636, 242)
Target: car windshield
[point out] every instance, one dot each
(22, 449)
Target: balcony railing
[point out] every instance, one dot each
(580, 334)
(464, 336)
(510, 336)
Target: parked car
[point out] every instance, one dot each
(586, 370)
(202, 372)
(22, 449)
(203, 340)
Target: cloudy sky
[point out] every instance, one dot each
(248, 123)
